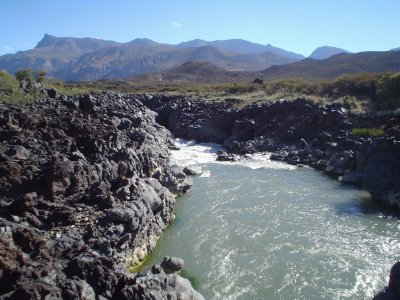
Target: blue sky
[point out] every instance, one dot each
(299, 26)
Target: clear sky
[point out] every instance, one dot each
(298, 25)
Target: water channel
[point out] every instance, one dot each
(258, 229)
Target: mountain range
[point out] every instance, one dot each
(90, 59)
(307, 69)
(77, 59)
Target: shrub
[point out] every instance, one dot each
(24, 74)
(10, 91)
(241, 88)
(39, 76)
(360, 85)
(388, 91)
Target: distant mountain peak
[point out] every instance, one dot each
(47, 40)
(326, 52)
(143, 42)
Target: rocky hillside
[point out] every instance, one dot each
(90, 59)
(337, 65)
(86, 190)
(195, 72)
(241, 46)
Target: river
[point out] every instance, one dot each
(258, 229)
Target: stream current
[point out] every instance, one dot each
(257, 229)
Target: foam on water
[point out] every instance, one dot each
(197, 155)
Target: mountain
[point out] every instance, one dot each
(75, 46)
(193, 44)
(195, 72)
(52, 53)
(130, 60)
(396, 49)
(76, 59)
(326, 52)
(336, 65)
(241, 46)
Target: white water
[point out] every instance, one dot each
(198, 155)
(258, 229)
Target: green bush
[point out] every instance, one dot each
(360, 85)
(239, 88)
(39, 76)
(24, 74)
(388, 91)
(10, 91)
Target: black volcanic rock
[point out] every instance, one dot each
(82, 197)
(298, 133)
(392, 291)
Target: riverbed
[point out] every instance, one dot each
(258, 229)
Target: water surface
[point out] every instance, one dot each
(264, 230)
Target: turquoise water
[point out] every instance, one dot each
(278, 232)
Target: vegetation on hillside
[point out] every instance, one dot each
(360, 92)
(12, 92)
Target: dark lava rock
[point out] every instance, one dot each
(298, 133)
(83, 182)
(392, 291)
(190, 171)
(52, 93)
(172, 264)
(382, 170)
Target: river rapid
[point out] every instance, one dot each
(257, 229)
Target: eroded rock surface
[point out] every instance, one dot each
(85, 191)
(297, 132)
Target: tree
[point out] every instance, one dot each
(23, 74)
(39, 76)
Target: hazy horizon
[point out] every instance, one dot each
(299, 27)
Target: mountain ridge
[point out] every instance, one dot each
(337, 65)
(77, 59)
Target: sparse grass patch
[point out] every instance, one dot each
(71, 89)
(368, 131)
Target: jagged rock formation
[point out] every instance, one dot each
(298, 133)
(83, 184)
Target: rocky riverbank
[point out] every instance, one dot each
(86, 190)
(298, 133)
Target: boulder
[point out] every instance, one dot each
(191, 171)
(392, 291)
(382, 170)
(341, 162)
(172, 264)
(52, 93)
